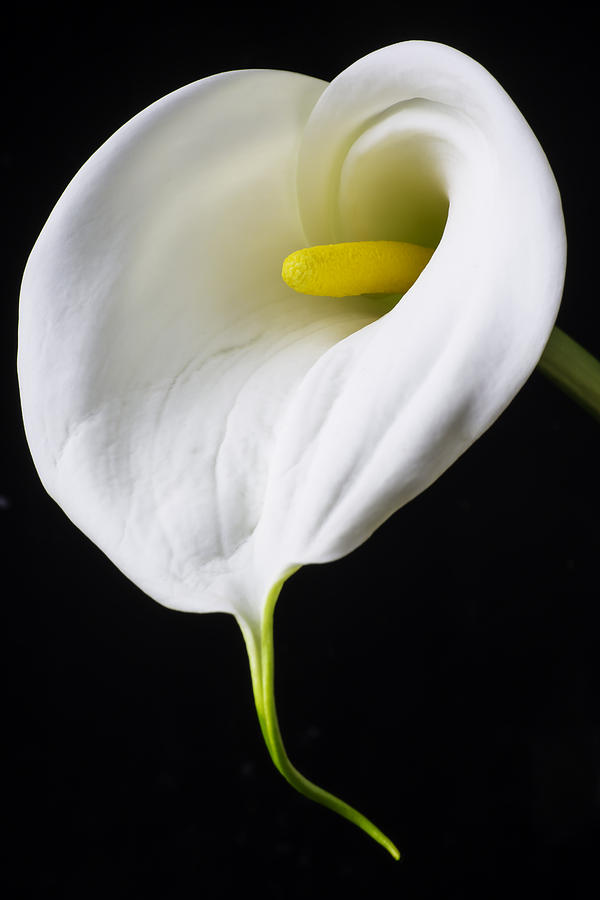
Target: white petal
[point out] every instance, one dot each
(208, 428)
(381, 415)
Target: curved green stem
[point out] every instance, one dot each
(262, 666)
(573, 369)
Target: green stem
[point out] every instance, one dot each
(573, 369)
(262, 668)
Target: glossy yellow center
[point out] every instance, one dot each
(359, 267)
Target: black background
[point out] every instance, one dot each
(443, 678)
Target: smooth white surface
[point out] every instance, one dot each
(208, 427)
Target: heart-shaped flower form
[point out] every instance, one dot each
(212, 430)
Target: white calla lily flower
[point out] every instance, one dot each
(211, 429)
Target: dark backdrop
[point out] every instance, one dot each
(443, 678)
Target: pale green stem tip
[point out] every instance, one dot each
(260, 652)
(573, 369)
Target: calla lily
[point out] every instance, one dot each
(211, 429)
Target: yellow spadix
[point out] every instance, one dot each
(357, 267)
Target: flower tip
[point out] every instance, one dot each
(296, 270)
